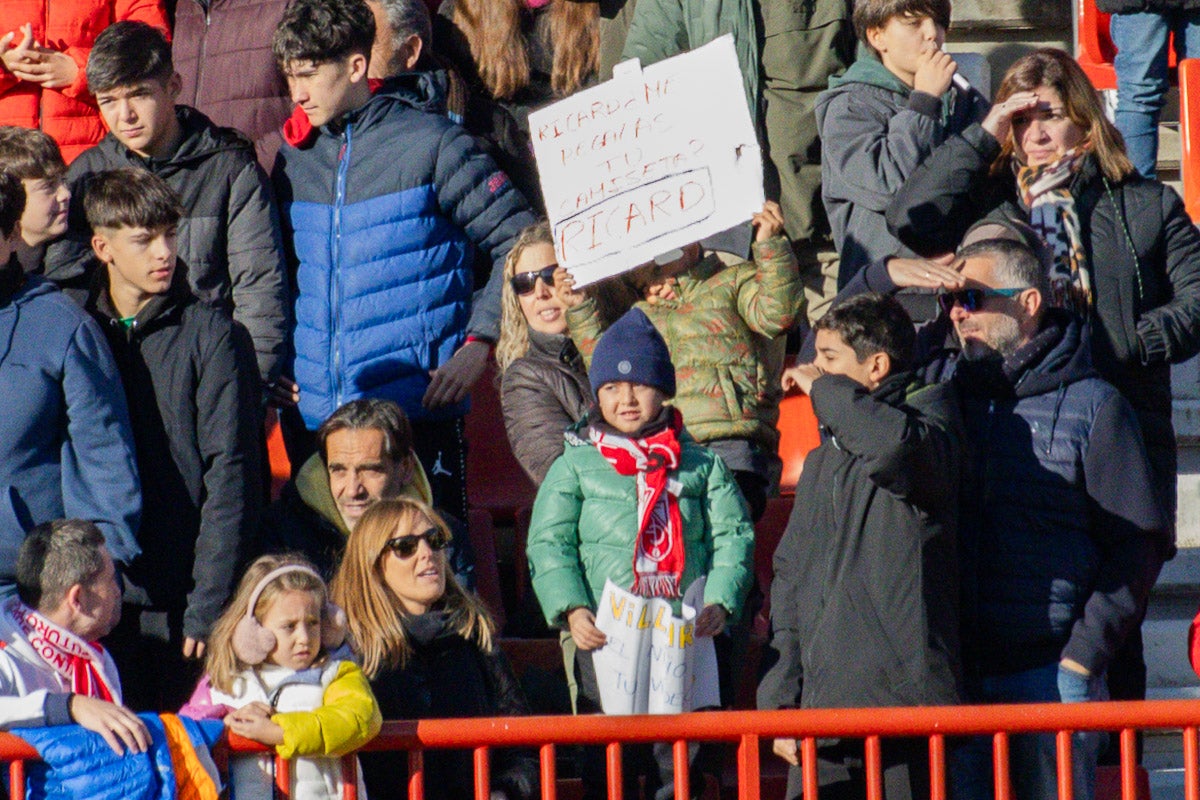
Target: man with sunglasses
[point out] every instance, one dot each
(1061, 537)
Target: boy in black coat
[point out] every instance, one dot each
(193, 391)
(864, 600)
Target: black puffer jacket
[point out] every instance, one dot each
(1144, 255)
(228, 237)
(865, 594)
(1061, 529)
(542, 394)
(193, 394)
(447, 676)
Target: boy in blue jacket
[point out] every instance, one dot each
(66, 449)
(385, 210)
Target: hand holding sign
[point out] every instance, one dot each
(653, 662)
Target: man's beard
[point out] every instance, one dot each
(1002, 341)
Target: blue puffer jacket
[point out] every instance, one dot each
(77, 763)
(384, 213)
(1060, 530)
(66, 449)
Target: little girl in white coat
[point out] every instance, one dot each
(270, 676)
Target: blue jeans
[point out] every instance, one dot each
(1032, 757)
(1141, 63)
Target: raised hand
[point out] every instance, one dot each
(998, 121)
(935, 69)
(768, 222)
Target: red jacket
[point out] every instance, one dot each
(69, 113)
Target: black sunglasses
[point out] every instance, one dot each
(524, 282)
(406, 546)
(972, 299)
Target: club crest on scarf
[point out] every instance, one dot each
(658, 557)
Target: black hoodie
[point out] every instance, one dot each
(1060, 532)
(229, 236)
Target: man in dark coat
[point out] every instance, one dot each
(864, 600)
(364, 455)
(193, 393)
(1063, 535)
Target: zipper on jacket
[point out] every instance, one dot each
(335, 285)
(198, 98)
(1059, 396)
(985, 463)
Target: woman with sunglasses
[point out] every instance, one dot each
(428, 648)
(544, 387)
(1120, 248)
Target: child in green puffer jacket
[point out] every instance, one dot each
(723, 324)
(635, 500)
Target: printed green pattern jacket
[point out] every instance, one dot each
(584, 526)
(718, 330)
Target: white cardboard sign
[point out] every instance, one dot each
(652, 160)
(652, 663)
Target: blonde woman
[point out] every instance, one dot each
(544, 387)
(428, 649)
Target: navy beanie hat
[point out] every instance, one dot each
(633, 350)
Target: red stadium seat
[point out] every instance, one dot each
(495, 481)
(487, 571)
(798, 435)
(1095, 49)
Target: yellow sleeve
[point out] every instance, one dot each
(347, 719)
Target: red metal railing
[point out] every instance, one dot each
(748, 729)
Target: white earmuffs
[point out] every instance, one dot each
(252, 643)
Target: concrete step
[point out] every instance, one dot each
(1163, 760)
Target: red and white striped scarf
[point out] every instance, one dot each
(658, 557)
(78, 662)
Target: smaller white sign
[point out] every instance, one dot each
(652, 663)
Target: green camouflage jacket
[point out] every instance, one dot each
(719, 330)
